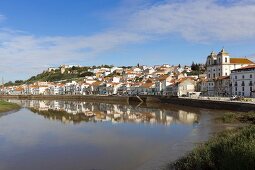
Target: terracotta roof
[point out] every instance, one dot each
(240, 61)
(19, 89)
(185, 78)
(97, 83)
(163, 77)
(223, 77)
(147, 85)
(148, 81)
(246, 68)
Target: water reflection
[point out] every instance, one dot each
(76, 112)
(62, 135)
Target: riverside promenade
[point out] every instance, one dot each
(201, 102)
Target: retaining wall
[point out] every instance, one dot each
(209, 104)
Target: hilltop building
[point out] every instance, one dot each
(218, 66)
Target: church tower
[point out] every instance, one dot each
(223, 57)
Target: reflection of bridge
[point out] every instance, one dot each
(70, 111)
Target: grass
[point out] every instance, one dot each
(6, 106)
(242, 117)
(231, 149)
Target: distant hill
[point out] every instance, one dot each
(56, 75)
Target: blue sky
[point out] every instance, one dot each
(38, 34)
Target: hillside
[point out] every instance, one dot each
(56, 75)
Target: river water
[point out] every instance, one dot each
(61, 135)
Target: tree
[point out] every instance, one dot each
(19, 82)
(194, 67)
(87, 74)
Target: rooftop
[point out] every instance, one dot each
(245, 68)
(240, 61)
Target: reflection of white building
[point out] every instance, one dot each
(43, 106)
(186, 117)
(107, 112)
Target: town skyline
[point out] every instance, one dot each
(42, 34)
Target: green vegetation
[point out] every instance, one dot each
(17, 82)
(242, 117)
(113, 74)
(196, 69)
(6, 106)
(70, 74)
(231, 149)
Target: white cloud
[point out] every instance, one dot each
(32, 54)
(197, 20)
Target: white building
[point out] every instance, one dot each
(184, 86)
(243, 81)
(221, 64)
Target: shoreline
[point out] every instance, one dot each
(234, 146)
(8, 107)
(207, 104)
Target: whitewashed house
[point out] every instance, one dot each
(243, 81)
(162, 83)
(183, 87)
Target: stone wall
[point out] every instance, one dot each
(210, 104)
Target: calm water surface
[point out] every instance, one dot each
(61, 135)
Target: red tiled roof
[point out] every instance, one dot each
(240, 61)
(223, 77)
(97, 83)
(246, 67)
(163, 77)
(147, 85)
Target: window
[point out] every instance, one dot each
(243, 83)
(219, 74)
(243, 89)
(236, 89)
(226, 74)
(250, 83)
(235, 77)
(243, 94)
(213, 75)
(250, 75)
(209, 75)
(226, 59)
(250, 88)
(243, 76)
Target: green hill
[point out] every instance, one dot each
(73, 73)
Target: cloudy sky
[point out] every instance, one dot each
(38, 34)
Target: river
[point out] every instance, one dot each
(63, 135)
